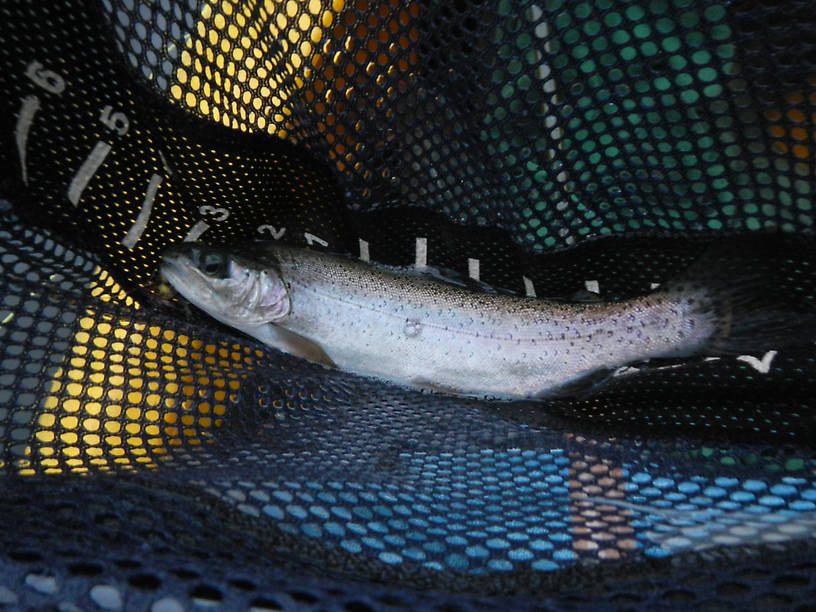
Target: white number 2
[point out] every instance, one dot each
(276, 233)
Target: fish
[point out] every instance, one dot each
(412, 329)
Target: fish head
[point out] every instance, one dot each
(235, 290)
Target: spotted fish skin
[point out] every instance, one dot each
(413, 330)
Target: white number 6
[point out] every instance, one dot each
(47, 79)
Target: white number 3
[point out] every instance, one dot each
(219, 214)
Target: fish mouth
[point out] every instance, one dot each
(172, 269)
(184, 278)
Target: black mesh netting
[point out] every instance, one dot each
(155, 460)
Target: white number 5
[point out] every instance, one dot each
(118, 122)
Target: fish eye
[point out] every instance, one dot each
(212, 263)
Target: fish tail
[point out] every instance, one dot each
(744, 294)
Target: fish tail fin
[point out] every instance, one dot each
(746, 297)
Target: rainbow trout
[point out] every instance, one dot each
(411, 329)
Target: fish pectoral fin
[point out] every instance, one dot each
(581, 387)
(291, 343)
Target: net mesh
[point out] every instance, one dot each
(153, 459)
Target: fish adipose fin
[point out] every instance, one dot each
(739, 282)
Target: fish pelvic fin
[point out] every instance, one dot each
(579, 388)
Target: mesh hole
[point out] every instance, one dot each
(26, 556)
(146, 582)
(265, 604)
(206, 594)
(85, 569)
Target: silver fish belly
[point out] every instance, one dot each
(415, 331)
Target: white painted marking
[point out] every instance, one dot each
(218, 213)
(86, 171)
(166, 166)
(49, 80)
(592, 286)
(654, 285)
(629, 370)
(29, 108)
(473, 268)
(421, 260)
(196, 231)
(762, 366)
(276, 233)
(364, 255)
(671, 367)
(529, 289)
(137, 229)
(311, 239)
(118, 122)
(625, 371)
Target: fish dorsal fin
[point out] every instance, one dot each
(584, 296)
(446, 276)
(264, 251)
